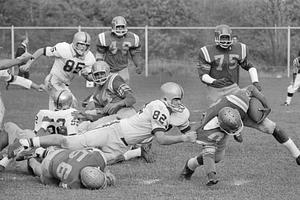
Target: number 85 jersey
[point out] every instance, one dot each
(67, 63)
(154, 117)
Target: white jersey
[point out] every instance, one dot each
(154, 117)
(58, 118)
(67, 63)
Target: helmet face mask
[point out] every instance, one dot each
(93, 178)
(223, 36)
(100, 72)
(172, 94)
(230, 121)
(119, 26)
(63, 100)
(81, 42)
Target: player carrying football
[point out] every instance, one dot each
(215, 123)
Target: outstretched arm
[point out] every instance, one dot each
(35, 55)
(8, 63)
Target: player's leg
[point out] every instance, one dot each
(270, 127)
(291, 90)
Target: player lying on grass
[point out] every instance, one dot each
(70, 169)
(114, 138)
(218, 122)
(47, 122)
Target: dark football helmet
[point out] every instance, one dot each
(230, 121)
(223, 36)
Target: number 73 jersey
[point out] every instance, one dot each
(67, 63)
(223, 63)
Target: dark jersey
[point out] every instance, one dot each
(117, 50)
(223, 63)
(67, 164)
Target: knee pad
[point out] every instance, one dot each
(280, 135)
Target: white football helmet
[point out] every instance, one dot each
(81, 42)
(93, 178)
(119, 26)
(172, 91)
(63, 99)
(100, 72)
(223, 36)
(230, 121)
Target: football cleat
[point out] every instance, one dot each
(147, 153)
(298, 160)
(186, 173)
(15, 148)
(238, 138)
(212, 180)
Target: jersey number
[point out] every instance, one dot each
(158, 116)
(70, 65)
(232, 61)
(54, 130)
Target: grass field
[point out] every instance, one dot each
(259, 168)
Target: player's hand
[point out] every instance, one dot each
(257, 85)
(24, 58)
(41, 88)
(111, 108)
(220, 83)
(139, 70)
(266, 112)
(190, 136)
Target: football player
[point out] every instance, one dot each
(70, 169)
(219, 65)
(61, 121)
(295, 82)
(118, 45)
(112, 95)
(70, 59)
(114, 138)
(210, 132)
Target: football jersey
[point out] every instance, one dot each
(223, 63)
(67, 63)
(117, 50)
(67, 164)
(58, 118)
(296, 65)
(114, 90)
(154, 117)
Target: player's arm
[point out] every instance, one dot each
(100, 48)
(20, 51)
(8, 63)
(135, 52)
(163, 139)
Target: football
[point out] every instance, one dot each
(254, 109)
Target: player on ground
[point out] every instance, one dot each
(211, 134)
(70, 59)
(296, 81)
(61, 121)
(113, 138)
(71, 169)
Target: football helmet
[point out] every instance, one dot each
(223, 36)
(81, 42)
(119, 26)
(63, 99)
(172, 94)
(230, 121)
(100, 72)
(93, 178)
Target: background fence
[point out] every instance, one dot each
(169, 49)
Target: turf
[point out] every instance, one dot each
(259, 168)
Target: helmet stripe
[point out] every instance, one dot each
(237, 101)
